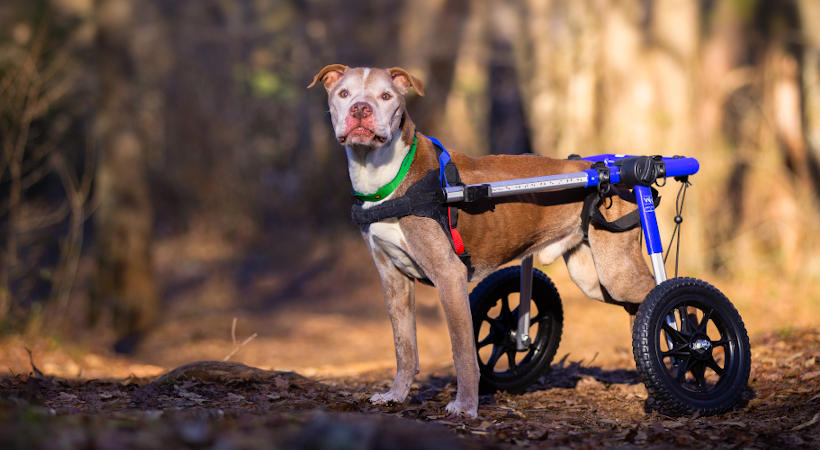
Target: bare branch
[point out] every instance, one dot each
(33, 367)
(241, 344)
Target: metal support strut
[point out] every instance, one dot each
(522, 336)
(646, 208)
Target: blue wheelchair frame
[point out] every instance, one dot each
(674, 167)
(607, 169)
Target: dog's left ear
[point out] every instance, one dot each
(329, 75)
(404, 81)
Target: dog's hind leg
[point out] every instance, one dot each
(621, 267)
(399, 297)
(581, 269)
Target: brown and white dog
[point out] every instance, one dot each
(370, 119)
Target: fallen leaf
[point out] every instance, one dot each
(672, 423)
(611, 422)
(484, 425)
(231, 397)
(192, 396)
(66, 397)
(735, 424)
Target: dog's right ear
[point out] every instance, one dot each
(329, 75)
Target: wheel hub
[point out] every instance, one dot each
(701, 347)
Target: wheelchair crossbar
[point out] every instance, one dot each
(674, 167)
(522, 186)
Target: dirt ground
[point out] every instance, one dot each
(316, 329)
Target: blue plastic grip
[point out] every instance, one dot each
(676, 167)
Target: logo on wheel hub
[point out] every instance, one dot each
(701, 345)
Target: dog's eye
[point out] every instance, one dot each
(344, 93)
(386, 96)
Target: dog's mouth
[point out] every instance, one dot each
(361, 135)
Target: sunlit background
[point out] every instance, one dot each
(164, 169)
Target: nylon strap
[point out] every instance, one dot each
(443, 160)
(452, 213)
(590, 214)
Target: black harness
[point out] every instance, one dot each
(426, 198)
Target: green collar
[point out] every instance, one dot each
(388, 188)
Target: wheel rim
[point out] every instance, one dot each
(698, 348)
(497, 355)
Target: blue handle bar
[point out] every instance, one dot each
(675, 167)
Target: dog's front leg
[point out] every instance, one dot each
(399, 297)
(433, 252)
(455, 301)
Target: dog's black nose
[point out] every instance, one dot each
(361, 110)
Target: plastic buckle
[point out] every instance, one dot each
(660, 170)
(474, 193)
(603, 177)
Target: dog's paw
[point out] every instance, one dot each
(387, 398)
(455, 408)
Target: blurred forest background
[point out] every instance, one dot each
(156, 148)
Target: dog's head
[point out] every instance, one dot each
(366, 104)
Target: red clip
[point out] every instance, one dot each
(458, 243)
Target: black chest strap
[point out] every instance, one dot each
(591, 214)
(425, 198)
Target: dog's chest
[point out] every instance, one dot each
(388, 237)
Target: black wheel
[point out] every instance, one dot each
(691, 348)
(495, 322)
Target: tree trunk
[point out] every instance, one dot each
(468, 103)
(810, 27)
(125, 282)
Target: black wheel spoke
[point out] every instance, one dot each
(720, 343)
(684, 318)
(678, 351)
(683, 367)
(677, 337)
(705, 321)
(495, 326)
(490, 339)
(691, 323)
(712, 364)
(497, 352)
(511, 361)
(699, 372)
(505, 309)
